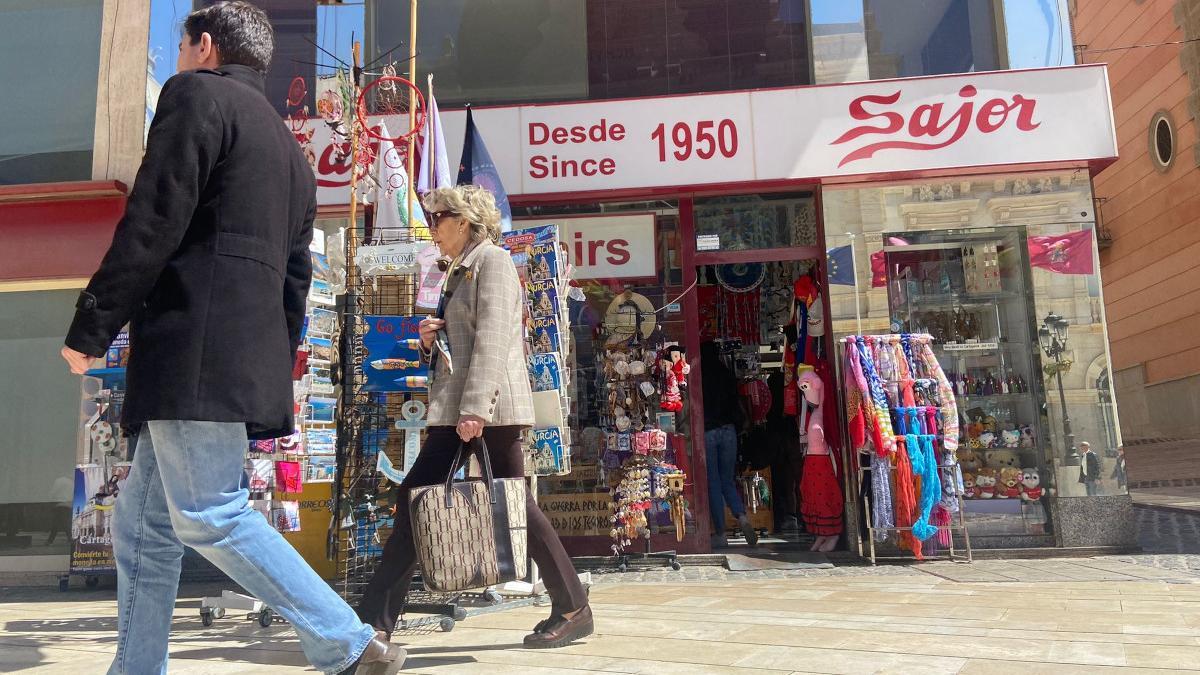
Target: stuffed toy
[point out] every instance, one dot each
(1001, 458)
(674, 372)
(987, 440)
(985, 480)
(1011, 438)
(1009, 486)
(970, 490)
(969, 459)
(1026, 436)
(1031, 484)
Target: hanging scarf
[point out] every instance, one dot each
(906, 498)
(856, 419)
(885, 438)
(946, 403)
(882, 513)
(925, 468)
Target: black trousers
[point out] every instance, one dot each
(384, 596)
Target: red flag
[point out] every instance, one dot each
(1069, 253)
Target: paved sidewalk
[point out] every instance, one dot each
(1094, 615)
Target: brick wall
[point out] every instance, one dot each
(1152, 270)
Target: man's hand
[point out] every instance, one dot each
(79, 362)
(470, 427)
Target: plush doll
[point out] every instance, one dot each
(987, 440)
(985, 480)
(1031, 484)
(1011, 438)
(679, 365)
(1002, 458)
(1026, 436)
(969, 459)
(974, 430)
(970, 490)
(1009, 486)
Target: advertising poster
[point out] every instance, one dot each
(393, 362)
(91, 517)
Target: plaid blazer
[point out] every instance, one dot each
(485, 313)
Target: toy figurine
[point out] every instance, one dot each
(1031, 485)
(675, 370)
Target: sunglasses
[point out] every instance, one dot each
(435, 216)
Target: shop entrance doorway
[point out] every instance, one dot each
(758, 312)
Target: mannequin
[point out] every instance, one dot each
(820, 492)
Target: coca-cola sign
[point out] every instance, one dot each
(833, 133)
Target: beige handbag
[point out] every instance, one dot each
(471, 533)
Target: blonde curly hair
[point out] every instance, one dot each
(473, 203)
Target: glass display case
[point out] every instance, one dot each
(971, 290)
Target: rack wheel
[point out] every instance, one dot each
(493, 597)
(206, 618)
(264, 617)
(64, 584)
(218, 612)
(91, 582)
(460, 614)
(446, 624)
(676, 566)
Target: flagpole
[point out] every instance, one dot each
(412, 106)
(854, 267)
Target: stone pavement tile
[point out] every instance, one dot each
(664, 649)
(1006, 667)
(1096, 619)
(846, 661)
(806, 636)
(1180, 658)
(1160, 606)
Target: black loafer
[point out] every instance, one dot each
(558, 632)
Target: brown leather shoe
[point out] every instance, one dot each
(558, 632)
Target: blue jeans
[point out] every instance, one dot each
(720, 453)
(186, 488)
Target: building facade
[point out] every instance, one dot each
(1149, 215)
(745, 147)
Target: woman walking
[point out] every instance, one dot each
(485, 393)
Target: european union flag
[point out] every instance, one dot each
(476, 167)
(840, 265)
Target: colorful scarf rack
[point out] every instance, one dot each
(900, 401)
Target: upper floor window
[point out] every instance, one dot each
(49, 65)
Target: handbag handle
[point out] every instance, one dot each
(476, 446)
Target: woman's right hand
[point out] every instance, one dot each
(428, 329)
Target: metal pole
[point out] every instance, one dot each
(412, 107)
(1072, 458)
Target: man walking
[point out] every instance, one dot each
(210, 265)
(1089, 469)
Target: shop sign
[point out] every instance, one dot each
(606, 247)
(708, 242)
(578, 515)
(816, 133)
(389, 258)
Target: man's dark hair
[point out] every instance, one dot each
(241, 32)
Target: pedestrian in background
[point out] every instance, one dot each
(723, 416)
(1089, 469)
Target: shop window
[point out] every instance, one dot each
(747, 222)
(908, 258)
(40, 419)
(49, 65)
(877, 39)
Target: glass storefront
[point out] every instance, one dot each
(52, 137)
(39, 444)
(990, 266)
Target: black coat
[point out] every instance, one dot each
(210, 265)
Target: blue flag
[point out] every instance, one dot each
(840, 265)
(476, 167)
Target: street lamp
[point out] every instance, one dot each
(1052, 337)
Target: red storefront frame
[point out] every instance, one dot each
(697, 540)
(57, 231)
